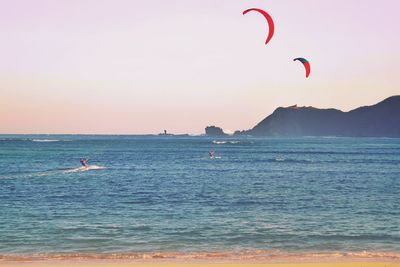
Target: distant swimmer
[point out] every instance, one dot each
(84, 162)
(211, 154)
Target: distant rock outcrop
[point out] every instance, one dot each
(380, 120)
(214, 131)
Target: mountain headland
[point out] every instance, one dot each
(379, 120)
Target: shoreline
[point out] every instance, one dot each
(209, 258)
(127, 263)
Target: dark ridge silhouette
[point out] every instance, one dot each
(214, 131)
(380, 120)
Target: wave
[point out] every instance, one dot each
(45, 140)
(48, 140)
(31, 140)
(50, 172)
(225, 142)
(289, 160)
(84, 169)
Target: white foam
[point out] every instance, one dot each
(225, 142)
(45, 140)
(84, 169)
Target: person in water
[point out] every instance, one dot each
(84, 162)
(211, 154)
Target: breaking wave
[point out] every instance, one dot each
(45, 140)
(225, 142)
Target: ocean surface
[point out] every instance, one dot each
(155, 194)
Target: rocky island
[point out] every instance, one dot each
(214, 131)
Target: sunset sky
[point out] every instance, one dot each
(133, 67)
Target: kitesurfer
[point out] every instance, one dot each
(211, 154)
(84, 162)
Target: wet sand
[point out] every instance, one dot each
(217, 259)
(116, 263)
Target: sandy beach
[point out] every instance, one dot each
(196, 264)
(209, 260)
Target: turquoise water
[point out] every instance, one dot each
(158, 194)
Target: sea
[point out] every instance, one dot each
(164, 196)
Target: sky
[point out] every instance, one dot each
(135, 67)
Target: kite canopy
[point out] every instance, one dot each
(269, 21)
(306, 65)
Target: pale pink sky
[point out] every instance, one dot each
(77, 66)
